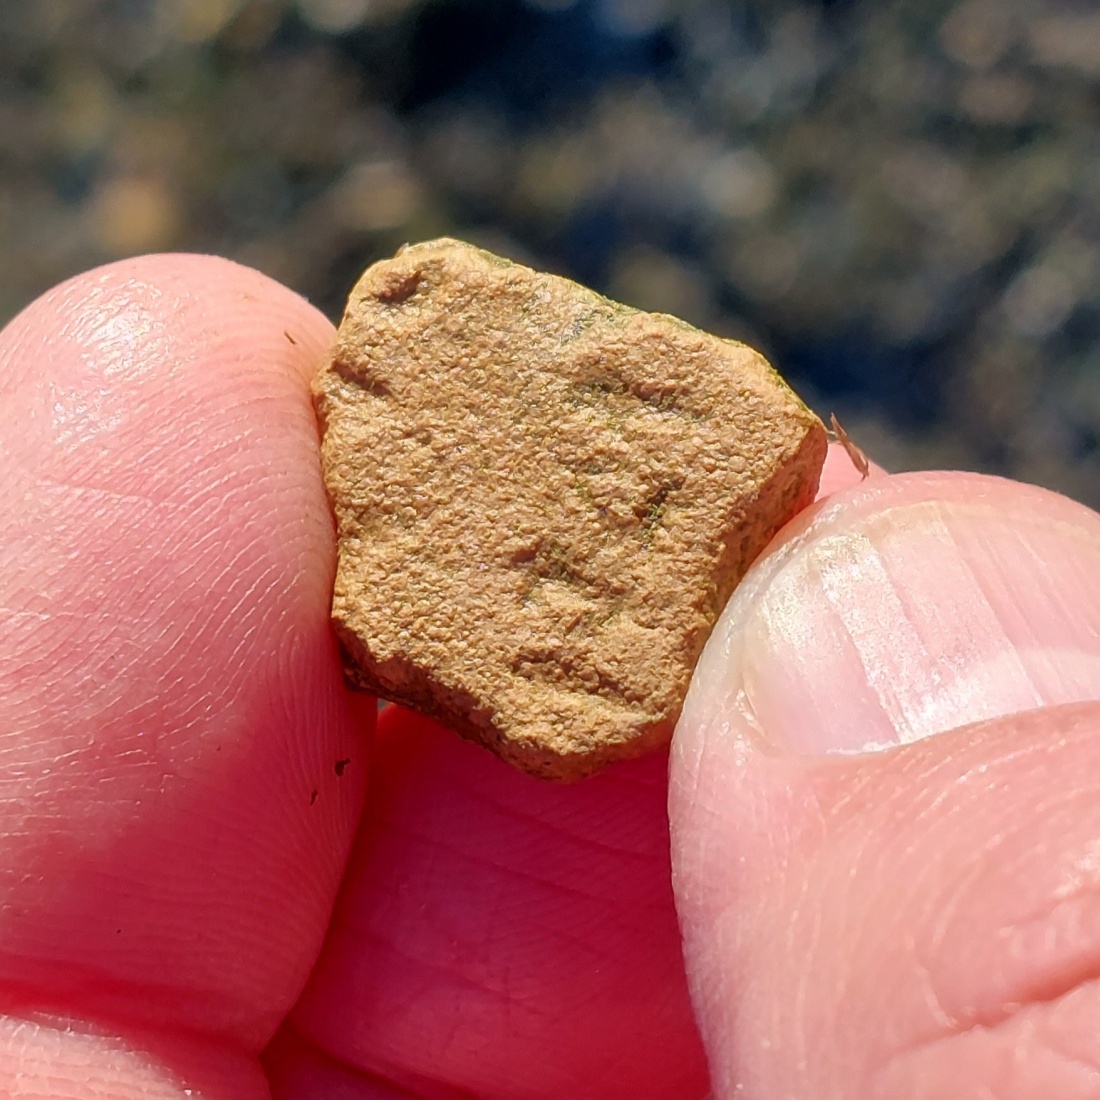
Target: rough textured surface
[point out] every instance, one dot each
(543, 501)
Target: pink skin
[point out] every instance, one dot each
(919, 921)
(168, 686)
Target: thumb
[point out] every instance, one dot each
(871, 911)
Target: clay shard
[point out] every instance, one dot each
(543, 500)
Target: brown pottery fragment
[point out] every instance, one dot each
(543, 501)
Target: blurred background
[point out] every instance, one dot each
(898, 202)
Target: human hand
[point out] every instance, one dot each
(183, 776)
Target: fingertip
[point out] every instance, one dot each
(126, 315)
(43, 1057)
(533, 920)
(877, 925)
(832, 802)
(164, 605)
(901, 607)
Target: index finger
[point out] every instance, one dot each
(172, 828)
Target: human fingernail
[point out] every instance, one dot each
(904, 608)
